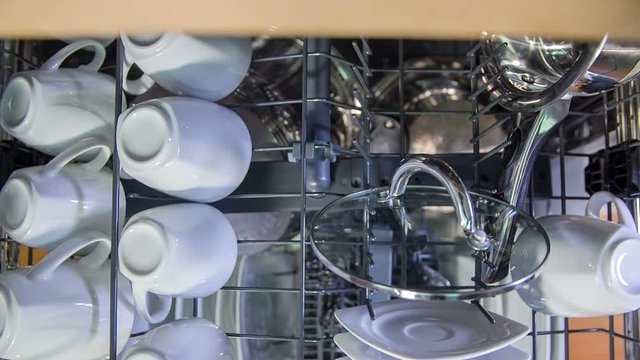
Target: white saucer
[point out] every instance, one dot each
(357, 350)
(430, 329)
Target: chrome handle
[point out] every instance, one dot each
(445, 174)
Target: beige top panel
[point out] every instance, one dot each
(578, 19)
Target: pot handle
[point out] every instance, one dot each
(599, 199)
(453, 184)
(94, 260)
(54, 166)
(152, 307)
(98, 59)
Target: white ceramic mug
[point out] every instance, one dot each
(59, 309)
(188, 148)
(187, 250)
(208, 68)
(52, 108)
(593, 267)
(40, 206)
(184, 339)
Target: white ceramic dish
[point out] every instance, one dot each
(430, 329)
(357, 350)
(604, 277)
(158, 244)
(188, 148)
(509, 305)
(208, 68)
(52, 108)
(59, 309)
(40, 206)
(185, 339)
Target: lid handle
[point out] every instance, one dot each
(445, 174)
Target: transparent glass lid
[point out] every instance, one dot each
(414, 246)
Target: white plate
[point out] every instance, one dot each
(455, 266)
(357, 350)
(430, 329)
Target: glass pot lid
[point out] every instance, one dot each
(423, 242)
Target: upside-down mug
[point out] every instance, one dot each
(52, 108)
(59, 309)
(593, 267)
(208, 68)
(184, 339)
(188, 148)
(40, 206)
(186, 250)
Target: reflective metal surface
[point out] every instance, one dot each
(526, 143)
(464, 210)
(282, 78)
(438, 109)
(530, 73)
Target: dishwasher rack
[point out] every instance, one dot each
(319, 171)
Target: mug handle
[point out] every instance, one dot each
(141, 299)
(137, 86)
(54, 166)
(98, 59)
(94, 260)
(599, 199)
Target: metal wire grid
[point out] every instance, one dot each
(624, 101)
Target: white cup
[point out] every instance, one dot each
(208, 68)
(186, 250)
(184, 339)
(188, 148)
(593, 267)
(51, 108)
(40, 206)
(59, 309)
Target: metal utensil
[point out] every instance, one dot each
(526, 142)
(528, 73)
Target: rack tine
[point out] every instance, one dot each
(478, 255)
(493, 152)
(488, 83)
(364, 109)
(372, 315)
(356, 120)
(363, 84)
(484, 311)
(475, 49)
(366, 156)
(489, 129)
(365, 46)
(489, 58)
(365, 65)
(487, 108)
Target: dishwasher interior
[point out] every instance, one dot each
(330, 117)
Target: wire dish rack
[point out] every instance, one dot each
(327, 112)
